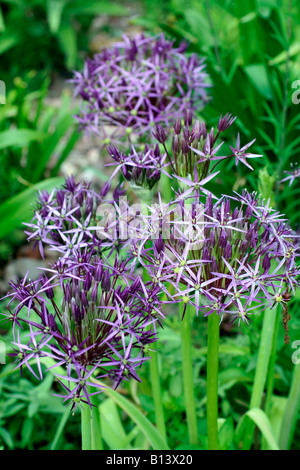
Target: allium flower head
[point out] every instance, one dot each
(193, 145)
(137, 84)
(235, 255)
(141, 169)
(89, 318)
(66, 219)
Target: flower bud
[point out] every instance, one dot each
(105, 283)
(177, 126)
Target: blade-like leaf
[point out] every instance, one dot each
(18, 209)
(18, 137)
(152, 434)
(261, 420)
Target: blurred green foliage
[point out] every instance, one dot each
(35, 139)
(253, 59)
(51, 32)
(252, 49)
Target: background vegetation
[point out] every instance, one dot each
(252, 49)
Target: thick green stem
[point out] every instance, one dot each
(157, 396)
(86, 438)
(291, 412)
(271, 369)
(155, 383)
(261, 371)
(96, 436)
(212, 380)
(188, 383)
(90, 424)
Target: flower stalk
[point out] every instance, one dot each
(156, 392)
(86, 437)
(90, 425)
(187, 371)
(261, 371)
(289, 421)
(212, 380)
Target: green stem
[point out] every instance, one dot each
(261, 371)
(291, 412)
(157, 396)
(90, 424)
(155, 384)
(212, 380)
(271, 372)
(86, 439)
(62, 422)
(188, 384)
(95, 424)
(271, 368)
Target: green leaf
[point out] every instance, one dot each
(230, 376)
(18, 137)
(2, 24)
(277, 409)
(54, 13)
(294, 49)
(261, 420)
(91, 7)
(259, 78)
(33, 408)
(146, 427)
(66, 151)
(8, 41)
(114, 435)
(63, 123)
(61, 425)
(226, 434)
(19, 209)
(68, 42)
(6, 437)
(227, 348)
(290, 416)
(26, 431)
(14, 409)
(152, 434)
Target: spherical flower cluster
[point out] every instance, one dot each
(137, 84)
(66, 220)
(141, 169)
(89, 318)
(192, 144)
(234, 255)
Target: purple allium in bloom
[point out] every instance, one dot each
(234, 255)
(192, 144)
(88, 317)
(293, 174)
(137, 84)
(66, 219)
(141, 169)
